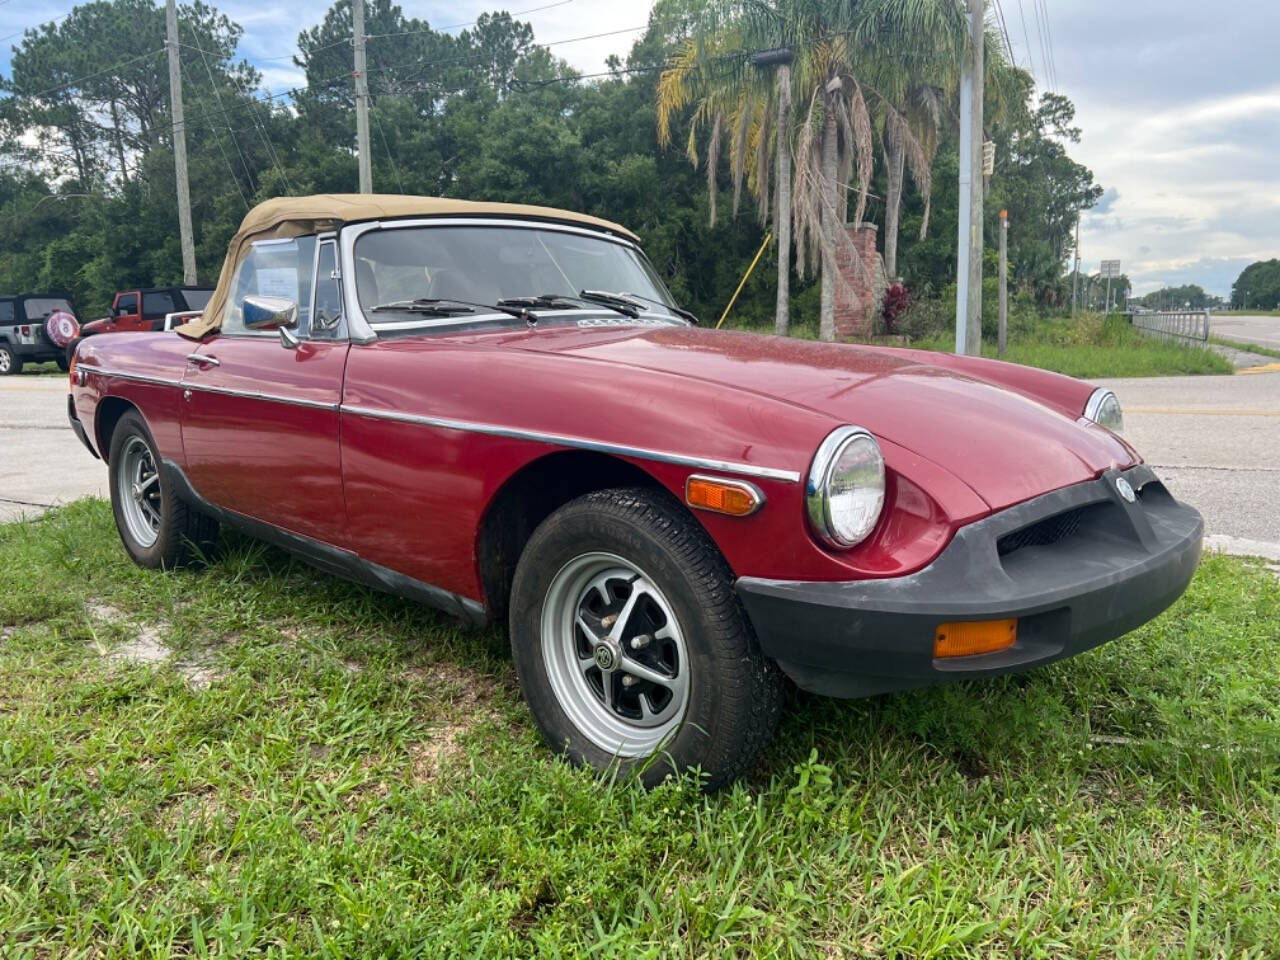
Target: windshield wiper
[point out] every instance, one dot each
(559, 300)
(636, 300)
(448, 307)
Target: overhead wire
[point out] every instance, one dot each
(244, 164)
(217, 138)
(1026, 38)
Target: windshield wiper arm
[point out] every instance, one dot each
(448, 306)
(550, 300)
(632, 297)
(637, 300)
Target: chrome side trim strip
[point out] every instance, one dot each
(258, 395)
(207, 388)
(128, 375)
(581, 443)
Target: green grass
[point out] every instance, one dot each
(1090, 346)
(361, 779)
(1093, 347)
(1247, 347)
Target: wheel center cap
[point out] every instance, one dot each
(604, 656)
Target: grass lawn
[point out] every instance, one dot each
(1089, 346)
(1242, 345)
(1094, 347)
(322, 771)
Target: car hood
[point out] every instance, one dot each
(1003, 444)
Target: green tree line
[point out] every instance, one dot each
(87, 196)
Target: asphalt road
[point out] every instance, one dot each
(1264, 331)
(1214, 440)
(42, 464)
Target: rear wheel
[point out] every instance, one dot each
(64, 363)
(10, 362)
(157, 529)
(631, 644)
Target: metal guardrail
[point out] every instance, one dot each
(1186, 325)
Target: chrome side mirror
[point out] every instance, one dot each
(269, 313)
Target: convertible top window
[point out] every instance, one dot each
(493, 264)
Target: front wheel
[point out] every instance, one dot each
(157, 529)
(631, 644)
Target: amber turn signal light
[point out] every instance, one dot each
(737, 498)
(967, 638)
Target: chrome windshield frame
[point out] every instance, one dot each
(362, 331)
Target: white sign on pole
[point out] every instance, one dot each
(1110, 268)
(988, 158)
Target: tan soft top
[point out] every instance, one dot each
(298, 216)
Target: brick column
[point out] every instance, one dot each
(860, 285)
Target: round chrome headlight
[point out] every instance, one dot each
(846, 487)
(1104, 409)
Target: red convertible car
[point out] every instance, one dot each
(500, 411)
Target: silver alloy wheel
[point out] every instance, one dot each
(6, 360)
(138, 484)
(615, 654)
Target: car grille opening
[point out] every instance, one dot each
(1042, 533)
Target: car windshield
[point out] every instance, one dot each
(196, 298)
(486, 265)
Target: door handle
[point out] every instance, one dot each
(201, 359)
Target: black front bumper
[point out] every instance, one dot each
(1077, 567)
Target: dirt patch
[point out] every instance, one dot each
(429, 758)
(147, 649)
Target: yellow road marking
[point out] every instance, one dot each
(1265, 368)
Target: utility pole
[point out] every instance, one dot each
(1004, 280)
(969, 260)
(362, 99)
(179, 145)
(1075, 279)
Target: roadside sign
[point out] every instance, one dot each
(1110, 268)
(988, 158)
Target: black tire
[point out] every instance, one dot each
(183, 536)
(71, 349)
(734, 693)
(63, 362)
(10, 362)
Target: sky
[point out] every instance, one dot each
(1178, 103)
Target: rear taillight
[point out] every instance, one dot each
(71, 369)
(26, 331)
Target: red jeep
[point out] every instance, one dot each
(136, 311)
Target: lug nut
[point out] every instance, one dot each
(640, 641)
(609, 621)
(628, 680)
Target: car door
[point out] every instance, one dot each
(259, 420)
(127, 314)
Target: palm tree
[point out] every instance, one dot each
(833, 43)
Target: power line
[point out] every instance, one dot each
(253, 116)
(61, 16)
(227, 160)
(1048, 33)
(79, 80)
(234, 142)
(1004, 29)
(394, 167)
(1026, 37)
